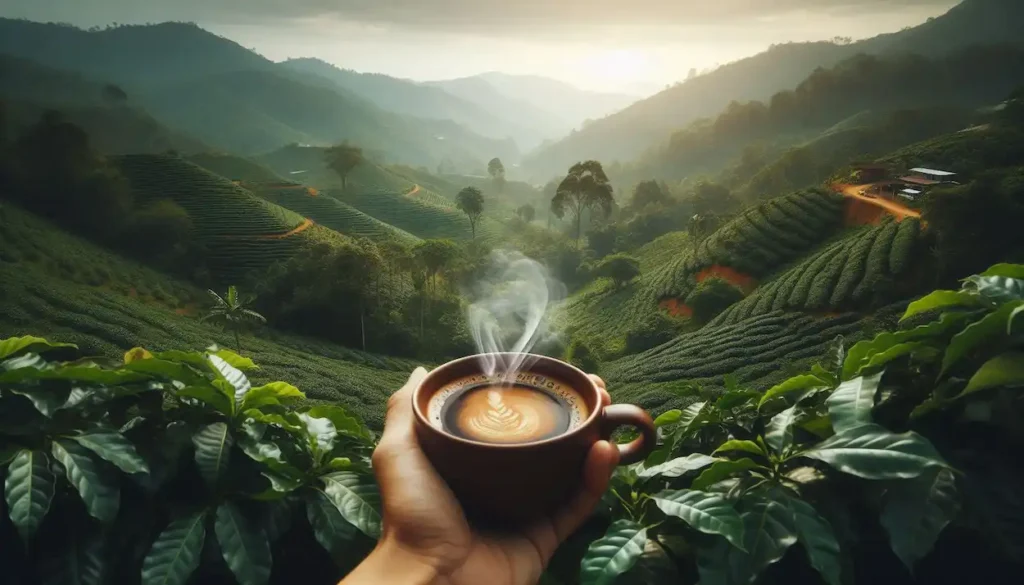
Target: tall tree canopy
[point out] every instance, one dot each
(585, 187)
(526, 212)
(471, 202)
(342, 159)
(496, 170)
(649, 193)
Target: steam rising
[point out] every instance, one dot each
(509, 312)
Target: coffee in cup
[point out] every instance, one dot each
(530, 407)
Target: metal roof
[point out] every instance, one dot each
(911, 191)
(932, 172)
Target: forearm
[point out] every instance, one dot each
(390, 564)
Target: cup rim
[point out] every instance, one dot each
(595, 410)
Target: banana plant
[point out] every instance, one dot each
(747, 502)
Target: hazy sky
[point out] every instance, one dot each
(635, 46)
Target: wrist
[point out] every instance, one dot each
(390, 562)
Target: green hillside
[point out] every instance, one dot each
(423, 219)
(334, 214)
(240, 232)
(235, 168)
(68, 289)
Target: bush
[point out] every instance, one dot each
(621, 268)
(582, 356)
(654, 329)
(711, 297)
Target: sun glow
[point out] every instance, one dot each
(619, 65)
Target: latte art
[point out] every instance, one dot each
(532, 410)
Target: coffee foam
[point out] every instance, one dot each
(536, 408)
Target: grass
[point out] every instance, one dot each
(419, 216)
(64, 288)
(236, 168)
(242, 234)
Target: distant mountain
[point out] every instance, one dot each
(648, 123)
(481, 92)
(408, 97)
(566, 101)
(234, 99)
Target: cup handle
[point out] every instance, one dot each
(617, 415)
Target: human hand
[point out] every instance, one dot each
(426, 538)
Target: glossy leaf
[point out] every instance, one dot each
(795, 384)
(740, 445)
(330, 528)
(1003, 370)
(244, 547)
(863, 351)
(778, 433)
(115, 448)
(28, 490)
(233, 376)
(46, 401)
(1012, 319)
(236, 361)
(940, 299)
(709, 513)
(678, 466)
(989, 328)
(1006, 271)
(99, 490)
(914, 513)
(210, 395)
(816, 536)
(721, 470)
(893, 353)
(175, 554)
(319, 431)
(731, 400)
(274, 393)
(136, 354)
(12, 346)
(357, 498)
(212, 444)
(851, 404)
(668, 417)
(873, 452)
(78, 560)
(166, 369)
(996, 290)
(768, 532)
(613, 554)
(344, 422)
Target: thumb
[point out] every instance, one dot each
(399, 420)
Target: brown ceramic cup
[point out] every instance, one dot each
(504, 485)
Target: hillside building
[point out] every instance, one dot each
(923, 177)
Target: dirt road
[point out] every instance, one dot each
(895, 208)
(305, 225)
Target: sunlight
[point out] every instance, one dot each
(619, 65)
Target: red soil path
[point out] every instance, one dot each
(861, 210)
(676, 308)
(415, 189)
(744, 282)
(305, 225)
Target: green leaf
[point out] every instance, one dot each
(722, 469)
(357, 498)
(996, 290)
(851, 403)
(768, 532)
(100, 492)
(288, 421)
(320, 432)
(692, 415)
(331, 530)
(244, 547)
(115, 448)
(870, 451)
(778, 433)
(255, 446)
(862, 352)
(986, 330)
(709, 513)
(210, 395)
(343, 421)
(1006, 271)
(28, 489)
(795, 384)
(816, 536)
(1003, 370)
(46, 401)
(235, 360)
(668, 417)
(12, 346)
(731, 400)
(613, 554)
(940, 299)
(1012, 318)
(175, 554)
(233, 376)
(193, 358)
(274, 393)
(166, 369)
(740, 445)
(213, 450)
(914, 513)
(678, 466)
(77, 560)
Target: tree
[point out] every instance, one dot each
(585, 187)
(526, 212)
(432, 257)
(232, 312)
(471, 202)
(603, 239)
(713, 199)
(114, 95)
(342, 159)
(711, 297)
(648, 193)
(621, 268)
(496, 170)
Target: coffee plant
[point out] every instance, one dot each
(169, 464)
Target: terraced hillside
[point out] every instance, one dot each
(236, 168)
(422, 217)
(757, 242)
(334, 214)
(67, 289)
(863, 269)
(757, 352)
(240, 232)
